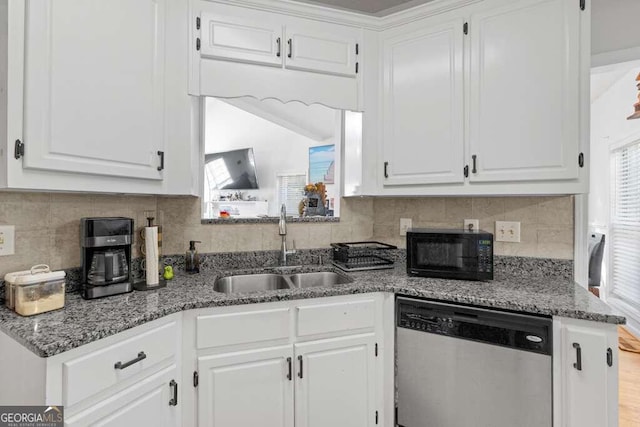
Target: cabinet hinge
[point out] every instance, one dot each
(583, 4)
(376, 417)
(198, 43)
(198, 23)
(357, 49)
(376, 349)
(356, 68)
(465, 28)
(18, 149)
(466, 171)
(195, 378)
(581, 160)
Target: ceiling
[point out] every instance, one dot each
(602, 78)
(370, 7)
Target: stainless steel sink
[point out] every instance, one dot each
(251, 283)
(324, 278)
(247, 283)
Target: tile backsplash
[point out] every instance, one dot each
(546, 222)
(48, 231)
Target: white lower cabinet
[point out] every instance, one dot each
(327, 371)
(309, 363)
(586, 366)
(328, 382)
(249, 388)
(334, 384)
(150, 402)
(129, 379)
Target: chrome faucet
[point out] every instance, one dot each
(282, 231)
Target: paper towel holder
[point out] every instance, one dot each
(141, 283)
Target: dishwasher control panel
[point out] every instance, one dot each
(514, 330)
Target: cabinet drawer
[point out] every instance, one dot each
(244, 327)
(87, 375)
(336, 317)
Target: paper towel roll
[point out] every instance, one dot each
(151, 255)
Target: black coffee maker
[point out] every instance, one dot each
(106, 256)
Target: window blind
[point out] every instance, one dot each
(291, 191)
(625, 224)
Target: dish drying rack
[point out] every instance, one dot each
(359, 256)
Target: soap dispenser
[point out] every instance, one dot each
(192, 258)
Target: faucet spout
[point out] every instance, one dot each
(282, 224)
(282, 231)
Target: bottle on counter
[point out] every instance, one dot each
(192, 258)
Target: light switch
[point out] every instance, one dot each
(7, 240)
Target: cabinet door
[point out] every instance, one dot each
(240, 34)
(250, 388)
(149, 402)
(423, 105)
(590, 392)
(94, 86)
(321, 47)
(335, 382)
(524, 91)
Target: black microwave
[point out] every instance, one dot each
(450, 254)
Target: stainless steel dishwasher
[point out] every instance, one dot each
(460, 366)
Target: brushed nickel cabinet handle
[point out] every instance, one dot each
(300, 374)
(120, 365)
(174, 390)
(578, 364)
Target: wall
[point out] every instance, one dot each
(47, 225)
(614, 25)
(609, 126)
(546, 222)
(276, 148)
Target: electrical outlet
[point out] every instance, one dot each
(508, 231)
(472, 225)
(7, 240)
(405, 224)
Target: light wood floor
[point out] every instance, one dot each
(629, 389)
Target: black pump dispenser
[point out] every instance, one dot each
(192, 258)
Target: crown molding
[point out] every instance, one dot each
(349, 18)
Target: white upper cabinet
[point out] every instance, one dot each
(243, 51)
(321, 47)
(97, 97)
(423, 104)
(524, 91)
(242, 35)
(94, 87)
(480, 97)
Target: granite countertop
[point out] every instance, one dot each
(82, 322)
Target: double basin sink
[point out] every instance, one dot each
(267, 282)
